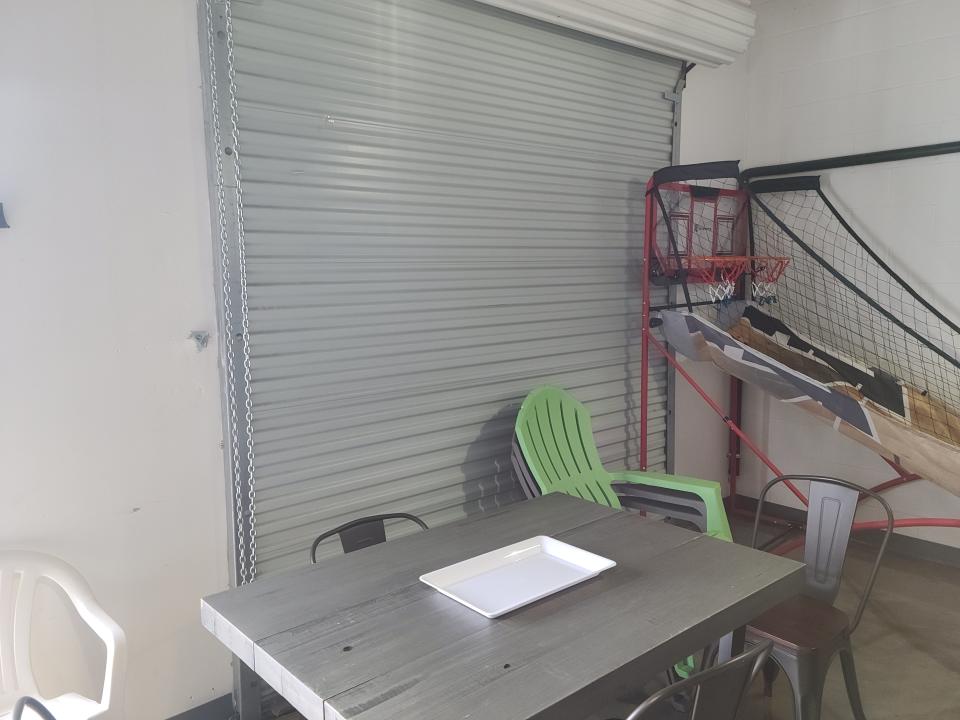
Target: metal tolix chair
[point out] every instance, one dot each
(808, 631)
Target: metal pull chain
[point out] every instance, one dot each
(242, 463)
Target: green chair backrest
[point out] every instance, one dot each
(555, 434)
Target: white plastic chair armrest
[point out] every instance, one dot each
(115, 641)
(80, 594)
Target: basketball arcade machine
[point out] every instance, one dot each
(698, 237)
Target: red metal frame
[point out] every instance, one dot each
(709, 269)
(733, 419)
(768, 268)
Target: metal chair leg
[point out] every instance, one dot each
(807, 674)
(770, 672)
(808, 706)
(850, 679)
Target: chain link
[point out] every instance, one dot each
(245, 540)
(244, 315)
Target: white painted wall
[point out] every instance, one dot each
(825, 78)
(110, 420)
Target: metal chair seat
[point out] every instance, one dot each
(803, 624)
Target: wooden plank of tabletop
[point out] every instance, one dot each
(671, 593)
(242, 617)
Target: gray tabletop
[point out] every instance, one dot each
(358, 637)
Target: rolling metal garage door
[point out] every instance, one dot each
(440, 208)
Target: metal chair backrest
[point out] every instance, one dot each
(717, 693)
(830, 512)
(362, 532)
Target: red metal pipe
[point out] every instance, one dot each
(877, 525)
(890, 484)
(903, 478)
(897, 467)
(907, 522)
(732, 425)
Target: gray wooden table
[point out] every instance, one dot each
(358, 637)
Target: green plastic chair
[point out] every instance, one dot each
(555, 437)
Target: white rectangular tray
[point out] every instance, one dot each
(513, 576)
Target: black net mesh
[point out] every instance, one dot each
(836, 296)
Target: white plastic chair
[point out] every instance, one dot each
(20, 570)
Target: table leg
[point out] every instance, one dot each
(246, 691)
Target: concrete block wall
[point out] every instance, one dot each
(825, 78)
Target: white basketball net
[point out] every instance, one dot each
(722, 291)
(764, 291)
